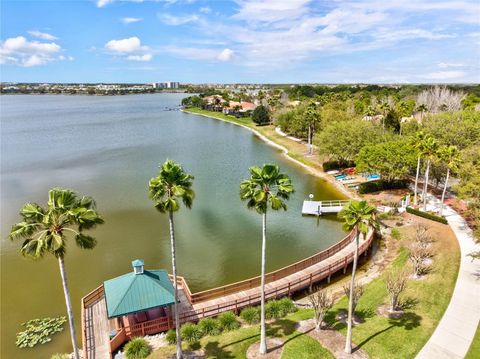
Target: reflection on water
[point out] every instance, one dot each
(109, 147)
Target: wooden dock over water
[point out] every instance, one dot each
(318, 208)
(193, 307)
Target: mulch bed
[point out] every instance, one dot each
(274, 349)
(330, 339)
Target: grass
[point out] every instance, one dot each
(474, 350)
(428, 298)
(235, 344)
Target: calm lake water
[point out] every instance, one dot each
(109, 148)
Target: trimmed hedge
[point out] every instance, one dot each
(427, 215)
(381, 185)
(336, 165)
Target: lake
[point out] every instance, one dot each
(109, 148)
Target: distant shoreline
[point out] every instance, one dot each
(85, 94)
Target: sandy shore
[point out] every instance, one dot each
(314, 171)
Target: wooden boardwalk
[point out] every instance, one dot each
(193, 307)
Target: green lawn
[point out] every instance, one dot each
(235, 344)
(247, 121)
(474, 351)
(403, 338)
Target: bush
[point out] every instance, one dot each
(273, 310)
(251, 315)
(427, 215)
(261, 115)
(287, 306)
(395, 233)
(191, 333)
(336, 165)
(209, 326)
(381, 185)
(137, 348)
(171, 337)
(228, 321)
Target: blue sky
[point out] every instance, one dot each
(261, 41)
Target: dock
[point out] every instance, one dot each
(317, 208)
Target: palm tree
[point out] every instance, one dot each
(45, 230)
(171, 185)
(450, 156)
(265, 188)
(312, 116)
(384, 107)
(358, 216)
(419, 144)
(422, 109)
(430, 151)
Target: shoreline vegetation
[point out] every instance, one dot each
(292, 150)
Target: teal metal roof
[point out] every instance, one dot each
(131, 293)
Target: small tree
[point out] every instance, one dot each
(261, 115)
(357, 293)
(396, 282)
(321, 302)
(418, 256)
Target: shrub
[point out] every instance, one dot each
(171, 337)
(191, 333)
(375, 186)
(273, 310)
(396, 234)
(335, 165)
(209, 326)
(261, 115)
(60, 356)
(228, 321)
(287, 306)
(427, 215)
(251, 315)
(137, 348)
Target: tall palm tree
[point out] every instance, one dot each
(419, 145)
(312, 116)
(430, 151)
(266, 188)
(357, 216)
(171, 185)
(46, 230)
(450, 157)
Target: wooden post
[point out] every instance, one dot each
(310, 286)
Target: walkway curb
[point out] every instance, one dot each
(454, 334)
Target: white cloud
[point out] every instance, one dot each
(20, 51)
(270, 10)
(225, 55)
(143, 58)
(173, 20)
(444, 65)
(444, 75)
(130, 49)
(131, 44)
(130, 20)
(205, 10)
(102, 3)
(42, 35)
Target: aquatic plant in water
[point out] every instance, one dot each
(39, 331)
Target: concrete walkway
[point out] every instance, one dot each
(453, 335)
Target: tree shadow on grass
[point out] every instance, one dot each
(213, 349)
(408, 321)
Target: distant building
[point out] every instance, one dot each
(166, 85)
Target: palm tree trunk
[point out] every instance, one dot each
(263, 339)
(71, 323)
(309, 139)
(444, 190)
(348, 342)
(174, 270)
(425, 186)
(415, 201)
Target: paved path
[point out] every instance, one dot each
(453, 335)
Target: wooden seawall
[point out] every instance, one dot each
(195, 306)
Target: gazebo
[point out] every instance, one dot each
(136, 299)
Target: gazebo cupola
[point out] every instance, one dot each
(137, 265)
